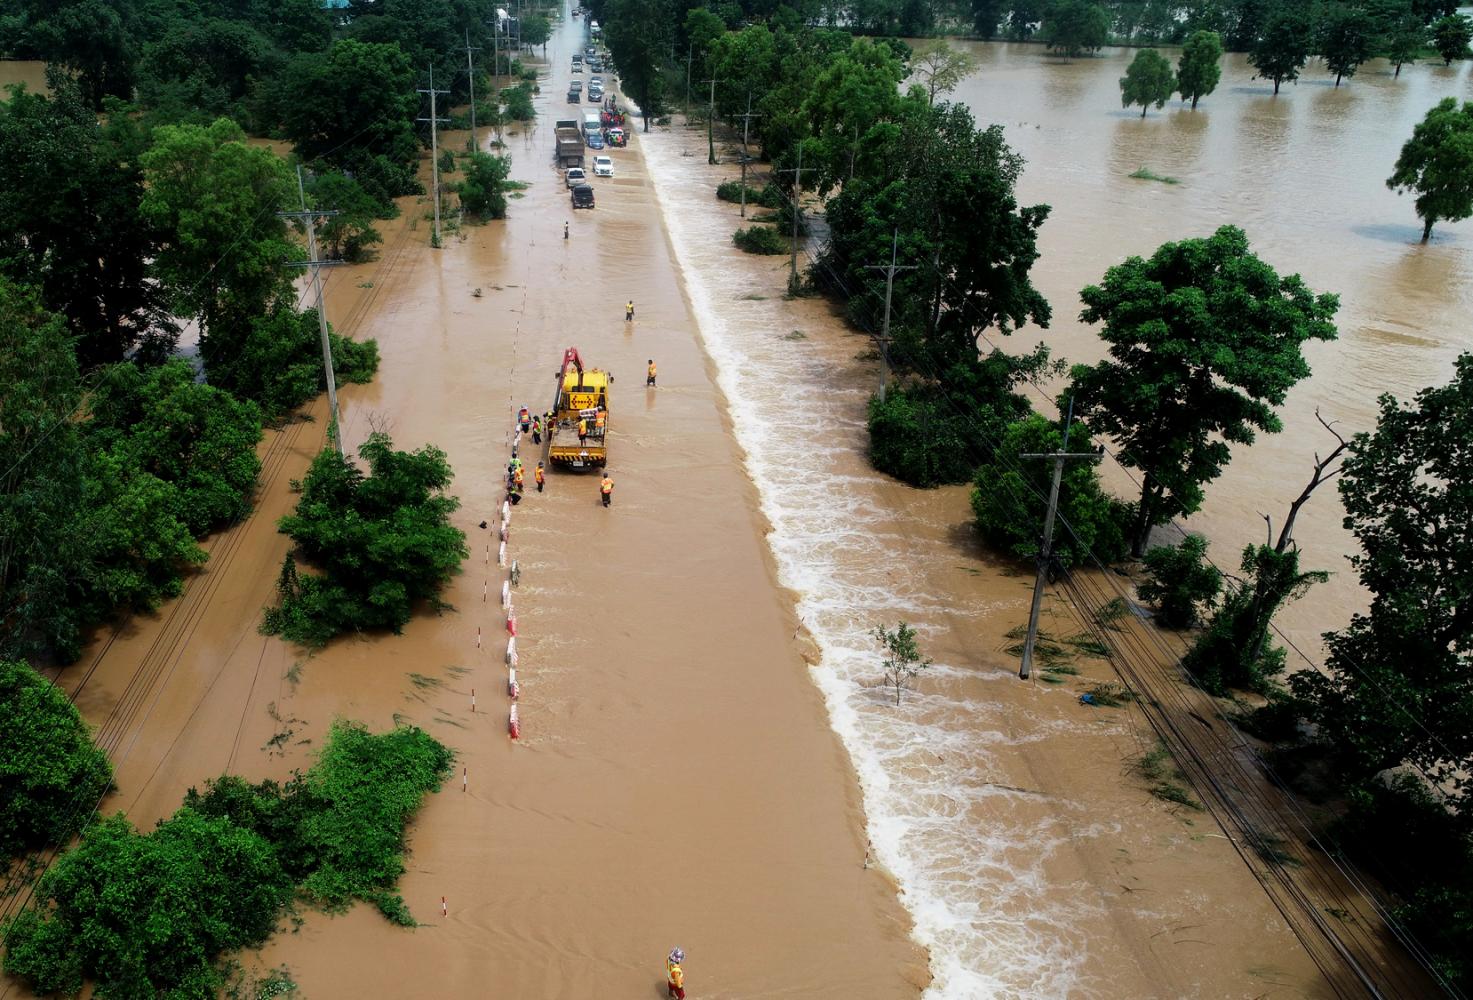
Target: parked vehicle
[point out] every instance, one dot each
(603, 166)
(577, 11)
(576, 176)
(595, 93)
(577, 66)
(615, 137)
(583, 196)
(595, 141)
(575, 96)
(592, 121)
(594, 28)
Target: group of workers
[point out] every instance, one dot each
(516, 479)
(527, 423)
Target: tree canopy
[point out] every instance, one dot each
(1451, 36)
(1074, 27)
(1345, 40)
(1283, 48)
(1148, 80)
(1199, 69)
(1437, 164)
(1205, 339)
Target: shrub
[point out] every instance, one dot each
(916, 438)
(483, 191)
(760, 240)
(447, 161)
(51, 776)
(382, 541)
(518, 103)
(732, 191)
(1010, 498)
(351, 232)
(279, 364)
(1182, 583)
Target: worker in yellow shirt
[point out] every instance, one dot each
(629, 311)
(582, 430)
(674, 974)
(649, 375)
(606, 489)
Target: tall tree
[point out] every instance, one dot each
(638, 33)
(1451, 35)
(1398, 685)
(70, 223)
(1148, 80)
(940, 67)
(1283, 48)
(1074, 27)
(215, 198)
(1345, 40)
(986, 14)
(1403, 41)
(94, 39)
(1198, 70)
(1437, 163)
(1204, 341)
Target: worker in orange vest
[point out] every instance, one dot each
(649, 377)
(524, 419)
(598, 422)
(539, 476)
(606, 489)
(675, 975)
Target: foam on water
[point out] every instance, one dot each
(967, 848)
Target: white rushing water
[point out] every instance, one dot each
(946, 817)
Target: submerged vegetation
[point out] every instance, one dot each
(149, 913)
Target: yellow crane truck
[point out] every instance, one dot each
(582, 404)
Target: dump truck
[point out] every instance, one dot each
(568, 143)
(581, 397)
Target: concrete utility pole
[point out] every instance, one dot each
(470, 66)
(711, 117)
(746, 123)
(435, 121)
(334, 432)
(1046, 544)
(889, 270)
(689, 54)
(793, 283)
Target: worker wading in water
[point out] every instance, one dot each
(539, 476)
(629, 311)
(674, 974)
(524, 419)
(649, 374)
(606, 489)
(536, 430)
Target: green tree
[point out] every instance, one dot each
(41, 461)
(1397, 687)
(986, 16)
(278, 361)
(702, 29)
(203, 69)
(349, 234)
(638, 33)
(93, 39)
(382, 541)
(853, 103)
(51, 776)
(940, 67)
(536, 30)
(1283, 48)
(1074, 27)
(1198, 70)
(903, 661)
(1451, 35)
(70, 223)
(214, 199)
(1148, 80)
(360, 119)
(1204, 341)
(195, 437)
(1404, 40)
(483, 191)
(1345, 40)
(1437, 163)
(1010, 500)
(1181, 582)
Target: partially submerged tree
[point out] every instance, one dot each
(1182, 583)
(940, 67)
(483, 191)
(1283, 48)
(1346, 36)
(903, 661)
(1148, 80)
(1199, 69)
(1437, 163)
(1451, 35)
(1074, 27)
(1205, 339)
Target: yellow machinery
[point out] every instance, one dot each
(582, 403)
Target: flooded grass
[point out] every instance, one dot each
(1147, 174)
(1164, 779)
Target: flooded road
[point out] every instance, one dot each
(1303, 174)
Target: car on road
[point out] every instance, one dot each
(577, 65)
(576, 176)
(595, 93)
(615, 137)
(583, 196)
(595, 141)
(575, 96)
(596, 64)
(577, 11)
(603, 166)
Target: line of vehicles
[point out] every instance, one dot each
(596, 128)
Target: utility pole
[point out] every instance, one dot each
(435, 121)
(1046, 544)
(689, 55)
(746, 123)
(470, 65)
(309, 218)
(495, 52)
(793, 284)
(889, 270)
(710, 117)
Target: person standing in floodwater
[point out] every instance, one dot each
(537, 430)
(629, 311)
(674, 974)
(649, 374)
(606, 489)
(565, 230)
(540, 476)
